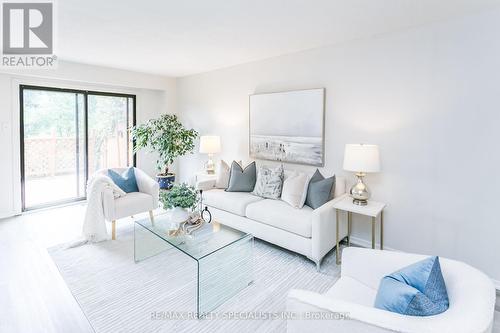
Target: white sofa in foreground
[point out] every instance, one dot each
(305, 231)
(471, 294)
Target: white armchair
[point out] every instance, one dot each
(132, 203)
(471, 294)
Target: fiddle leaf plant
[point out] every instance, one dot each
(180, 195)
(166, 136)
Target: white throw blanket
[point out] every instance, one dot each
(94, 225)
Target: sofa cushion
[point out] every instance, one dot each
(233, 202)
(281, 215)
(351, 290)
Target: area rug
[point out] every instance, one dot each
(159, 294)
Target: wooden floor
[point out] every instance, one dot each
(33, 296)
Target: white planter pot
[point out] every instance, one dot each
(179, 215)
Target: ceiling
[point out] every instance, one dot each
(183, 37)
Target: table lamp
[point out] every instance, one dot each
(210, 144)
(361, 159)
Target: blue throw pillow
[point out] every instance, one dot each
(416, 290)
(126, 181)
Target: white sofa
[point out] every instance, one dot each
(471, 294)
(146, 200)
(305, 231)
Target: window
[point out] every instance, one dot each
(67, 135)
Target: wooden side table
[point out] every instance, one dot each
(374, 209)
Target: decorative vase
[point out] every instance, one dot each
(179, 215)
(166, 181)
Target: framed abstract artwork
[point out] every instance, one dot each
(288, 126)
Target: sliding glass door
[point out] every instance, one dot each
(67, 135)
(53, 147)
(109, 118)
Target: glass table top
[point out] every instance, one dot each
(210, 237)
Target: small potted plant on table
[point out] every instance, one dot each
(167, 137)
(182, 199)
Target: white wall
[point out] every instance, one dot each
(155, 95)
(428, 96)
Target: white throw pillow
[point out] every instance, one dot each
(295, 189)
(223, 173)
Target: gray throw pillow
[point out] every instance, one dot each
(269, 182)
(242, 180)
(320, 190)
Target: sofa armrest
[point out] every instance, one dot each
(340, 186)
(205, 185)
(342, 316)
(324, 226)
(108, 204)
(147, 185)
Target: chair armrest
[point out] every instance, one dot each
(342, 316)
(205, 185)
(147, 185)
(370, 266)
(324, 226)
(108, 204)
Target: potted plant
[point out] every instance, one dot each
(182, 199)
(169, 138)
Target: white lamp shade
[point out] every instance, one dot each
(209, 144)
(361, 158)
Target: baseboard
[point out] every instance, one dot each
(368, 244)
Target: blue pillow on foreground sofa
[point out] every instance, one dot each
(416, 290)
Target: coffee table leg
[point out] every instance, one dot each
(198, 311)
(223, 273)
(337, 236)
(147, 244)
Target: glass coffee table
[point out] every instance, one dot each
(224, 256)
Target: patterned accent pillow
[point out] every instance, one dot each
(269, 182)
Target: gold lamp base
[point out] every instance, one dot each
(360, 192)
